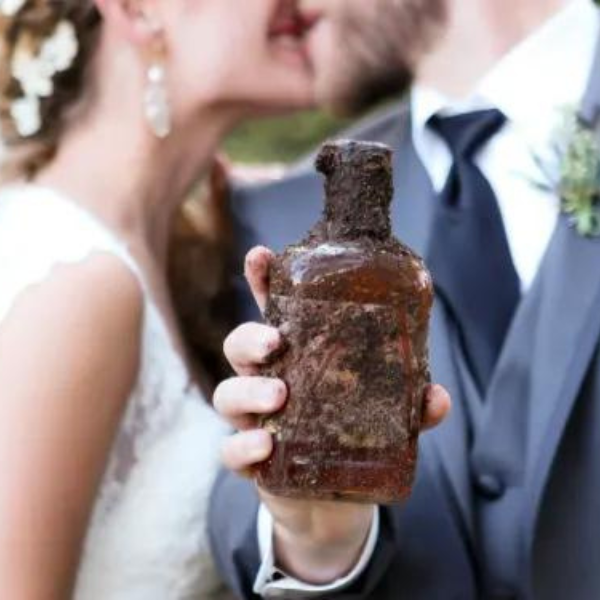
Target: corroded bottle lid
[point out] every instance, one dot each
(354, 154)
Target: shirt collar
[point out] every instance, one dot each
(534, 81)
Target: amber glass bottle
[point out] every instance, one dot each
(354, 305)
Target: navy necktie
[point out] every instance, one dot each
(469, 255)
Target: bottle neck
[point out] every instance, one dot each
(357, 203)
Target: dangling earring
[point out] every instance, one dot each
(157, 107)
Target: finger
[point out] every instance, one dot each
(243, 450)
(251, 345)
(258, 263)
(436, 406)
(239, 400)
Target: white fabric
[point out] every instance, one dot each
(531, 85)
(148, 536)
(272, 582)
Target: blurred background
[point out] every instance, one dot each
(281, 139)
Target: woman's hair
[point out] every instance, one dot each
(31, 26)
(201, 271)
(200, 238)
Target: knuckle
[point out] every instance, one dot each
(245, 334)
(235, 397)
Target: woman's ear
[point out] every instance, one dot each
(136, 20)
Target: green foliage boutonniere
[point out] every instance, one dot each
(577, 183)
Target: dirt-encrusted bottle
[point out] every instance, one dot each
(354, 305)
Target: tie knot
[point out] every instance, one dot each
(467, 133)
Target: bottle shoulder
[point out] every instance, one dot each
(358, 271)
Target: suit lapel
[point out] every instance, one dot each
(567, 337)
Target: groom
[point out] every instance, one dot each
(507, 496)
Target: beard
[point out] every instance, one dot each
(377, 50)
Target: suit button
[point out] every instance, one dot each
(489, 486)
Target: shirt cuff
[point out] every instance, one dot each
(271, 582)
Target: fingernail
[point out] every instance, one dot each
(274, 393)
(271, 341)
(256, 261)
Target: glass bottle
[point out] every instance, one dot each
(353, 304)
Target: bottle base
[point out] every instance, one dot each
(363, 478)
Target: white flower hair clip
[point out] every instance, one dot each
(9, 8)
(35, 73)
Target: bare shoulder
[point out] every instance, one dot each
(87, 315)
(103, 283)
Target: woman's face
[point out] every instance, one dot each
(249, 55)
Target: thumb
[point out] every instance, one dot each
(257, 271)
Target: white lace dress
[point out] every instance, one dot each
(148, 536)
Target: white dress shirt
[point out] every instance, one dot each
(531, 85)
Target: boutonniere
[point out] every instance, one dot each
(575, 178)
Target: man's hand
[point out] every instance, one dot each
(316, 542)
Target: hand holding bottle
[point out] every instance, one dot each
(315, 541)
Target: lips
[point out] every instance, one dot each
(309, 19)
(291, 21)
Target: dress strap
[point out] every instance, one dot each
(40, 230)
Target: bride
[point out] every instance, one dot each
(109, 109)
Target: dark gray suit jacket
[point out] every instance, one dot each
(540, 421)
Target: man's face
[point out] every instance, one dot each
(363, 50)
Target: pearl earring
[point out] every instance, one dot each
(157, 108)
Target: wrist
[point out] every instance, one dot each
(322, 552)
